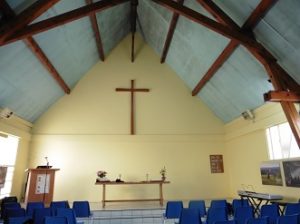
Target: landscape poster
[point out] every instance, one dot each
(292, 173)
(271, 173)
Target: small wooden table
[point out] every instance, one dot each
(158, 182)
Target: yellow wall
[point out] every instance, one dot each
(88, 131)
(20, 128)
(246, 149)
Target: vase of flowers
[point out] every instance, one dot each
(163, 172)
(102, 176)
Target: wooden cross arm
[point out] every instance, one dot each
(132, 90)
(278, 96)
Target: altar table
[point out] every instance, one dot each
(158, 182)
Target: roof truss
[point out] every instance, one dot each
(37, 51)
(262, 8)
(61, 19)
(96, 30)
(274, 70)
(170, 34)
(24, 18)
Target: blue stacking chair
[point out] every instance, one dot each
(82, 208)
(39, 214)
(9, 205)
(218, 203)
(292, 209)
(270, 211)
(58, 204)
(287, 219)
(19, 220)
(173, 209)
(241, 214)
(216, 214)
(14, 212)
(190, 216)
(239, 203)
(199, 205)
(264, 220)
(68, 213)
(33, 205)
(7, 200)
(225, 222)
(55, 220)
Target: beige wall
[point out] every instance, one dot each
(89, 130)
(246, 149)
(20, 128)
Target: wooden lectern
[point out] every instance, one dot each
(40, 185)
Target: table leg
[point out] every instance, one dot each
(161, 197)
(103, 195)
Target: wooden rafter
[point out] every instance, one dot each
(35, 48)
(133, 17)
(289, 108)
(278, 96)
(224, 30)
(170, 34)
(64, 18)
(274, 70)
(24, 18)
(96, 30)
(250, 23)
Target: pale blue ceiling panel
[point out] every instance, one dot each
(154, 26)
(26, 86)
(114, 25)
(19, 5)
(241, 82)
(240, 10)
(71, 48)
(280, 33)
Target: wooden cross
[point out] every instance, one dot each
(132, 90)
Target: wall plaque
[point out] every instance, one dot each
(216, 163)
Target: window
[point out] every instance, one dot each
(281, 142)
(8, 153)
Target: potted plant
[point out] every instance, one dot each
(163, 172)
(102, 176)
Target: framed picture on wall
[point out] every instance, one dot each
(271, 173)
(292, 173)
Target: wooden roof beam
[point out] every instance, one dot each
(250, 23)
(289, 108)
(24, 18)
(96, 30)
(230, 33)
(64, 18)
(274, 70)
(278, 96)
(133, 17)
(170, 34)
(35, 48)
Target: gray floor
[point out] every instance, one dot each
(126, 213)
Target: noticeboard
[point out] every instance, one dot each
(216, 163)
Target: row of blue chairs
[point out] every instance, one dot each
(36, 210)
(243, 216)
(219, 211)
